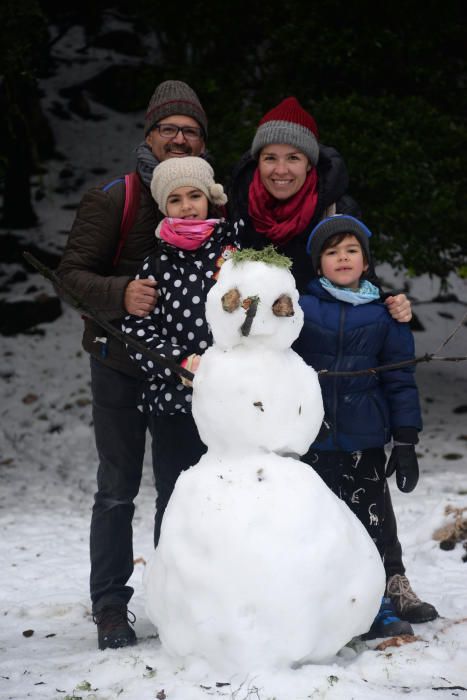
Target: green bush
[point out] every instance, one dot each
(407, 171)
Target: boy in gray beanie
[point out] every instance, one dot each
(347, 327)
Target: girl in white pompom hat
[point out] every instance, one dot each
(192, 243)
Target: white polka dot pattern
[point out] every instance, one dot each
(177, 327)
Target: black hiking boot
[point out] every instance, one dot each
(407, 603)
(387, 623)
(113, 627)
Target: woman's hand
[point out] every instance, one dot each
(399, 307)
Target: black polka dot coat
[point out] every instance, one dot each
(177, 327)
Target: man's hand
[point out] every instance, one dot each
(140, 297)
(399, 307)
(403, 461)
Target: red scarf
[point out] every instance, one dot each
(188, 234)
(280, 220)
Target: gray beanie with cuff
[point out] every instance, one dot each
(174, 97)
(332, 226)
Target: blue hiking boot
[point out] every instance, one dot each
(387, 623)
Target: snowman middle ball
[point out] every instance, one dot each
(252, 392)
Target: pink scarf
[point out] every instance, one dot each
(187, 234)
(280, 221)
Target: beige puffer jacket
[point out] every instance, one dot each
(87, 264)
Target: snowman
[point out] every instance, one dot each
(259, 564)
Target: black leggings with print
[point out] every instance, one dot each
(358, 479)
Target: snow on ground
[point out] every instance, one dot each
(48, 643)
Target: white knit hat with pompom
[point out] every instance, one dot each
(189, 171)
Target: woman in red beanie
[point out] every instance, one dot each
(282, 188)
(287, 183)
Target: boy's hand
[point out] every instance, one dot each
(403, 461)
(140, 297)
(399, 307)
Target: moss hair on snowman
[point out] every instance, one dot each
(268, 255)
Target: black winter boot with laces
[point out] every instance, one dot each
(408, 605)
(113, 627)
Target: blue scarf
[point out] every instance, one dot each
(363, 295)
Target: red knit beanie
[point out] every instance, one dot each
(288, 123)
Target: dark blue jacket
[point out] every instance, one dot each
(365, 410)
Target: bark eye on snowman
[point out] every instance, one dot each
(283, 306)
(231, 301)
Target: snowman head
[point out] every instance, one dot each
(255, 302)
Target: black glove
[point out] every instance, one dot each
(403, 461)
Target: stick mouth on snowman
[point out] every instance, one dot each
(248, 570)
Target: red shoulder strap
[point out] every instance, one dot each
(132, 193)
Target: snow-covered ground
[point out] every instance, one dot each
(48, 644)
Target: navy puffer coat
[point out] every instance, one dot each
(365, 411)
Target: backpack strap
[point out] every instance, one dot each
(132, 196)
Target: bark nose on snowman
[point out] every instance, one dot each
(250, 304)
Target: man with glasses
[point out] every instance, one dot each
(175, 126)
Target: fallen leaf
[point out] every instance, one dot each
(460, 621)
(398, 641)
(83, 401)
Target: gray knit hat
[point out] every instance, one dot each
(333, 225)
(174, 97)
(290, 124)
(190, 171)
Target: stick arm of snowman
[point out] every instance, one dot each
(251, 305)
(251, 308)
(83, 308)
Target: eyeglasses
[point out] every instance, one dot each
(170, 131)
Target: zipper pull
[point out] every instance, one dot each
(104, 341)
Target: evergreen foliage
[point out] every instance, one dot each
(268, 255)
(23, 53)
(385, 83)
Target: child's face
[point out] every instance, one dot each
(343, 264)
(187, 203)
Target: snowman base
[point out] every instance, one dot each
(260, 565)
